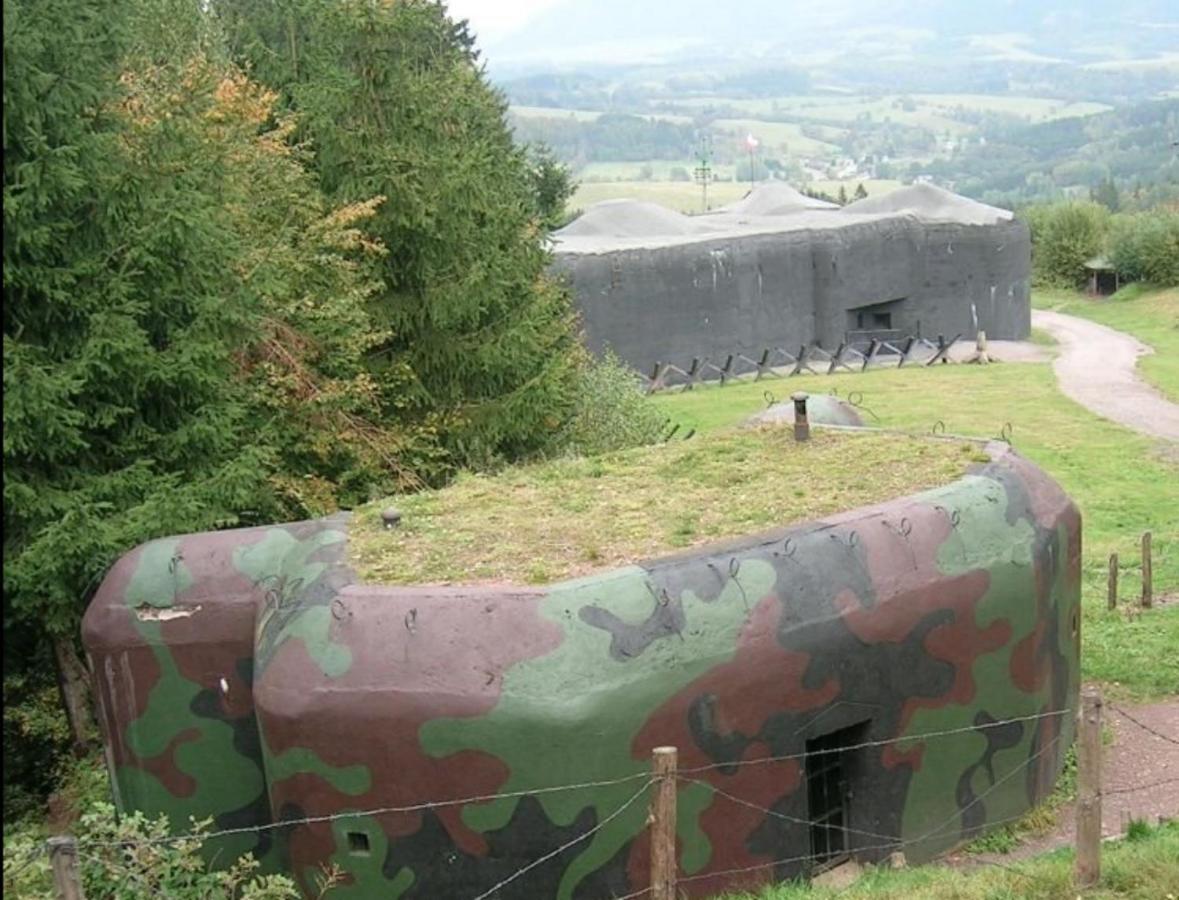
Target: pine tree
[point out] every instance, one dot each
(482, 349)
(861, 192)
(842, 195)
(185, 319)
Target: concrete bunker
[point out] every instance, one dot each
(776, 270)
(413, 734)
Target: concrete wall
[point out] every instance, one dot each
(745, 293)
(245, 676)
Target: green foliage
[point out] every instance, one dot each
(132, 857)
(1106, 193)
(612, 412)
(1138, 830)
(1064, 237)
(185, 321)
(1145, 247)
(35, 736)
(553, 185)
(480, 348)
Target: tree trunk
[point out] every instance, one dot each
(73, 680)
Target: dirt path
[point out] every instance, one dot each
(1096, 368)
(1140, 780)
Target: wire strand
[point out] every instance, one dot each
(577, 840)
(361, 813)
(1143, 725)
(878, 743)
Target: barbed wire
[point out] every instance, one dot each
(581, 837)
(362, 813)
(878, 743)
(1143, 725)
(1140, 787)
(895, 844)
(780, 815)
(486, 798)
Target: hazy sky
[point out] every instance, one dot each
(491, 19)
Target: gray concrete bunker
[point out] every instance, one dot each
(779, 269)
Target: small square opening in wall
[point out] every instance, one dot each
(358, 843)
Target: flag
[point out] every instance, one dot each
(751, 142)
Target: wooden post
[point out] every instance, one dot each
(63, 856)
(663, 868)
(1147, 575)
(1113, 581)
(1089, 790)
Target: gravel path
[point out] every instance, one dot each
(1096, 368)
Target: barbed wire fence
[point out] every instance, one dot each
(66, 852)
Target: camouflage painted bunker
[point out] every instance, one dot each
(900, 676)
(779, 269)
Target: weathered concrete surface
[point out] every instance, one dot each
(737, 283)
(821, 409)
(1097, 366)
(279, 689)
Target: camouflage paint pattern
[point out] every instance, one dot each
(245, 675)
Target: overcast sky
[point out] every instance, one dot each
(492, 19)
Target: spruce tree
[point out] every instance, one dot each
(482, 350)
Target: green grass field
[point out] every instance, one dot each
(1145, 867)
(1151, 315)
(778, 137)
(1122, 482)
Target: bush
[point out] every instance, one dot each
(1145, 247)
(133, 857)
(612, 412)
(1064, 237)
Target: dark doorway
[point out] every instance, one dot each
(829, 772)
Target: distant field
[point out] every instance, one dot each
(682, 196)
(685, 196)
(835, 109)
(932, 111)
(1162, 61)
(586, 115)
(778, 135)
(553, 112)
(629, 171)
(1035, 109)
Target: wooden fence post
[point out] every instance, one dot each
(663, 867)
(1089, 790)
(1113, 581)
(1147, 575)
(63, 856)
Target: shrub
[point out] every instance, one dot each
(1064, 237)
(612, 412)
(133, 857)
(1145, 247)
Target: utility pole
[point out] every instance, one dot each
(703, 171)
